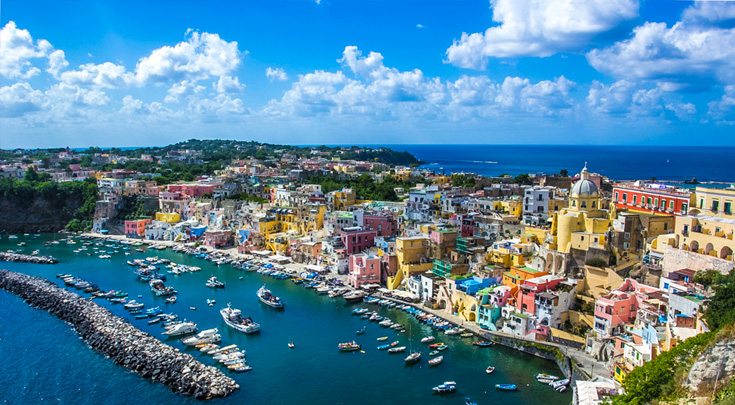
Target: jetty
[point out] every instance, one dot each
(17, 257)
(117, 339)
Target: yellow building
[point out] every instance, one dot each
(293, 222)
(708, 235)
(170, 217)
(713, 201)
(412, 255)
(583, 225)
(511, 207)
(341, 199)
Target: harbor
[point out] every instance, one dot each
(308, 327)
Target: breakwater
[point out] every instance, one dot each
(120, 341)
(17, 257)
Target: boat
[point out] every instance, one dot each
(442, 347)
(466, 335)
(560, 383)
(436, 361)
(433, 352)
(542, 376)
(213, 282)
(398, 349)
(382, 338)
(234, 319)
(413, 358)
(211, 302)
(445, 388)
(240, 368)
(361, 331)
(204, 337)
(160, 289)
(359, 311)
(181, 328)
(489, 369)
(133, 305)
(355, 295)
(394, 343)
(291, 345)
(435, 345)
(154, 320)
(383, 347)
(348, 346)
(171, 299)
(469, 401)
(269, 299)
(427, 339)
(482, 343)
(506, 387)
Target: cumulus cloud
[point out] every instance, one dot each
(200, 57)
(723, 110)
(275, 74)
(539, 28)
(18, 50)
(104, 75)
(19, 99)
(693, 52)
(367, 87)
(626, 98)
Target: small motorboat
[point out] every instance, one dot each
(413, 358)
(436, 361)
(382, 338)
(213, 282)
(383, 347)
(154, 320)
(445, 388)
(291, 345)
(442, 347)
(482, 343)
(433, 352)
(490, 369)
(399, 349)
(506, 387)
(560, 383)
(427, 339)
(348, 346)
(211, 302)
(435, 345)
(361, 331)
(466, 335)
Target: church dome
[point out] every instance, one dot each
(584, 187)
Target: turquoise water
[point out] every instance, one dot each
(44, 361)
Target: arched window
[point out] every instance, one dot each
(584, 204)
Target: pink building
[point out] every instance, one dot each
(194, 190)
(526, 300)
(136, 228)
(620, 306)
(363, 269)
(380, 223)
(356, 239)
(218, 239)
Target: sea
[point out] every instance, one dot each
(43, 360)
(713, 166)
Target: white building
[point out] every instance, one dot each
(536, 204)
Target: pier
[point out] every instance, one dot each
(17, 257)
(120, 341)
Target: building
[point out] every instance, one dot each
(411, 254)
(356, 239)
(713, 201)
(364, 269)
(536, 204)
(218, 238)
(620, 307)
(136, 228)
(382, 223)
(652, 198)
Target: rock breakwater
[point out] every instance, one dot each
(120, 341)
(17, 257)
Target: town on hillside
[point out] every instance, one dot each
(608, 271)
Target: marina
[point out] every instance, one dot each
(268, 353)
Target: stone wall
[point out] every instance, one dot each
(677, 259)
(120, 341)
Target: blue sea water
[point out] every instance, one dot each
(674, 163)
(43, 361)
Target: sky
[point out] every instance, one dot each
(137, 73)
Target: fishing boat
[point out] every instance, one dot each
(398, 349)
(427, 339)
(348, 346)
(181, 328)
(506, 387)
(160, 289)
(436, 361)
(445, 388)
(489, 369)
(482, 343)
(267, 298)
(354, 296)
(413, 358)
(171, 299)
(213, 282)
(234, 319)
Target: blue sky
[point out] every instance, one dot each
(113, 73)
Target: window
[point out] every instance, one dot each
(728, 207)
(616, 196)
(684, 207)
(663, 203)
(626, 236)
(625, 197)
(635, 199)
(715, 205)
(701, 203)
(655, 202)
(649, 200)
(671, 205)
(626, 245)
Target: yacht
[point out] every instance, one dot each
(181, 328)
(214, 283)
(269, 299)
(446, 387)
(355, 295)
(234, 319)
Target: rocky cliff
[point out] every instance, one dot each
(713, 369)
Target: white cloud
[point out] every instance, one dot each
(104, 75)
(19, 99)
(539, 28)
(56, 63)
(693, 52)
(723, 110)
(420, 26)
(18, 50)
(229, 84)
(377, 90)
(625, 98)
(275, 74)
(200, 57)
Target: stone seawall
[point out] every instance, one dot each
(17, 257)
(120, 341)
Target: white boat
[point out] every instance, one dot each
(196, 340)
(413, 358)
(211, 302)
(234, 319)
(436, 361)
(323, 289)
(427, 339)
(267, 298)
(355, 295)
(160, 289)
(213, 282)
(181, 328)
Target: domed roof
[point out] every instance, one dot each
(584, 187)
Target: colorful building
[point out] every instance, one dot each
(364, 269)
(136, 228)
(411, 255)
(652, 198)
(356, 239)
